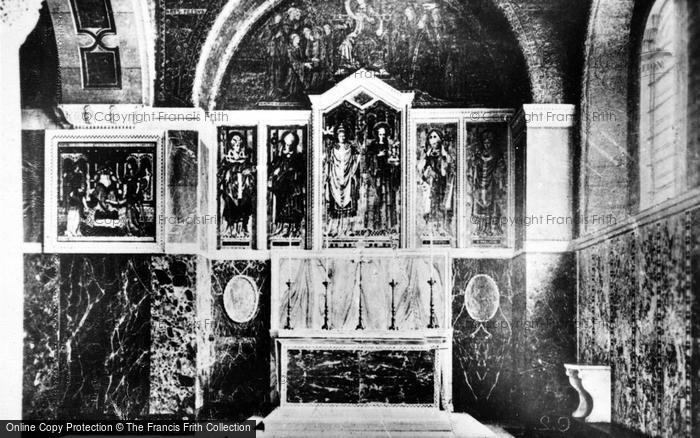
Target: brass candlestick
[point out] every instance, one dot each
(393, 284)
(325, 306)
(288, 325)
(360, 326)
(432, 323)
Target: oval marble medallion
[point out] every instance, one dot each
(241, 299)
(482, 298)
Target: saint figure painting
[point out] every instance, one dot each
(236, 186)
(286, 185)
(436, 178)
(362, 176)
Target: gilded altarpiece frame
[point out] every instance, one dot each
(361, 91)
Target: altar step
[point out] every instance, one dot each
(370, 422)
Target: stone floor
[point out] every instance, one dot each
(371, 422)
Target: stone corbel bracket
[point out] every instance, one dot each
(592, 382)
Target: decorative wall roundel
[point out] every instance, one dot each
(241, 299)
(482, 298)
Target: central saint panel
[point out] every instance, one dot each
(361, 173)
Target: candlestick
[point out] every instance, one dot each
(432, 323)
(288, 325)
(326, 260)
(360, 326)
(393, 284)
(289, 260)
(325, 306)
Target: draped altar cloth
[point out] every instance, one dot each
(351, 282)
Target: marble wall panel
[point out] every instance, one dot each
(673, 324)
(693, 273)
(41, 293)
(623, 266)
(646, 314)
(547, 338)
(519, 320)
(173, 330)
(483, 368)
(181, 218)
(105, 336)
(360, 377)
(397, 377)
(648, 280)
(203, 193)
(594, 306)
(33, 185)
(238, 382)
(330, 376)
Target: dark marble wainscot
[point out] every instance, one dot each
(41, 292)
(482, 381)
(238, 375)
(647, 278)
(356, 376)
(173, 330)
(663, 323)
(594, 306)
(653, 260)
(694, 365)
(104, 331)
(544, 338)
(620, 282)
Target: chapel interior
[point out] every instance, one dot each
(433, 218)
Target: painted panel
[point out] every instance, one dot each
(436, 176)
(287, 170)
(361, 174)
(236, 186)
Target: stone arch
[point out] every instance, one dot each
(526, 41)
(237, 19)
(608, 181)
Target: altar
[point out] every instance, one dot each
(362, 329)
